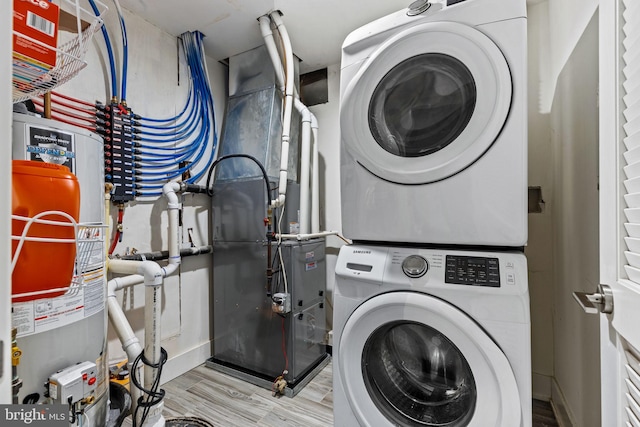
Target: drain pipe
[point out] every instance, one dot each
(288, 108)
(307, 236)
(169, 190)
(315, 179)
(305, 154)
(130, 343)
(267, 35)
(309, 209)
(151, 274)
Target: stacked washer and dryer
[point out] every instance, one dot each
(431, 303)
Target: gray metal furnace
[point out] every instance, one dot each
(251, 340)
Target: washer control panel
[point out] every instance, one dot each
(470, 270)
(480, 272)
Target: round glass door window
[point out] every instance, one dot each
(426, 104)
(422, 105)
(417, 377)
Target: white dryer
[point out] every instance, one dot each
(433, 125)
(431, 338)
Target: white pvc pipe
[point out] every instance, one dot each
(305, 154)
(153, 279)
(288, 108)
(306, 203)
(307, 236)
(151, 274)
(174, 206)
(269, 42)
(130, 343)
(315, 180)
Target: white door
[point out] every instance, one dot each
(619, 208)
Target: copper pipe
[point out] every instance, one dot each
(47, 105)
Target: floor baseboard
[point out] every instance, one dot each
(560, 407)
(186, 361)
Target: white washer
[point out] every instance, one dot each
(428, 337)
(434, 126)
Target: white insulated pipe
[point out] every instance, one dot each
(315, 180)
(288, 108)
(269, 42)
(305, 157)
(309, 206)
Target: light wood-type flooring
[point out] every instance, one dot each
(225, 401)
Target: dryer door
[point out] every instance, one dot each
(410, 359)
(427, 103)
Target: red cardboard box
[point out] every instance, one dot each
(38, 20)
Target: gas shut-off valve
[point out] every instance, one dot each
(281, 303)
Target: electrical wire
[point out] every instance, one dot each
(209, 183)
(154, 396)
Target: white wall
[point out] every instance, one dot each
(568, 20)
(153, 91)
(574, 122)
(539, 250)
(329, 152)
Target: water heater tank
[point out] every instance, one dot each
(56, 335)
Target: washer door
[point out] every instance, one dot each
(410, 359)
(427, 103)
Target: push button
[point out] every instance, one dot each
(511, 279)
(418, 7)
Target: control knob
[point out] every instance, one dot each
(415, 266)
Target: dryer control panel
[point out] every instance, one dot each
(470, 270)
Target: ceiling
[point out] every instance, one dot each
(317, 28)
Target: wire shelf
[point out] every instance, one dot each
(33, 78)
(89, 241)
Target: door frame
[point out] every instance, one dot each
(610, 224)
(6, 98)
